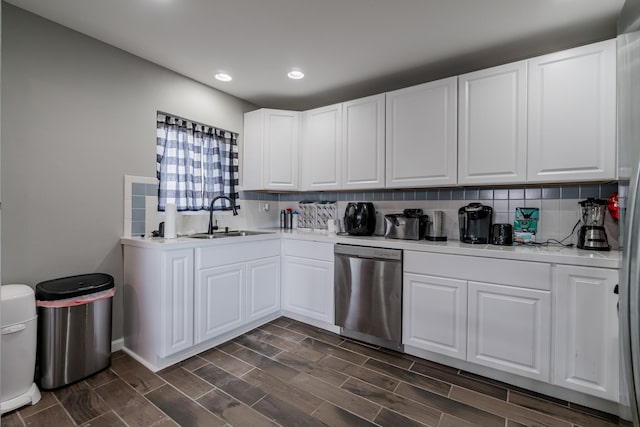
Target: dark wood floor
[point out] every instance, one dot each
(291, 374)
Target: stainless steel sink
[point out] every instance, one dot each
(230, 233)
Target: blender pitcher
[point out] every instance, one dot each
(591, 234)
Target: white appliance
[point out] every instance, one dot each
(19, 337)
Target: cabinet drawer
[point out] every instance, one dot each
(218, 255)
(525, 274)
(308, 249)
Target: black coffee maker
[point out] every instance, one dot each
(475, 223)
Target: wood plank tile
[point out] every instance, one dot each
(109, 419)
(12, 419)
(505, 409)
(337, 396)
(273, 386)
(241, 390)
(384, 355)
(227, 362)
(427, 383)
(142, 379)
(232, 411)
(285, 414)
(125, 363)
(463, 381)
(281, 321)
(388, 418)
(52, 416)
(253, 343)
(134, 409)
(448, 420)
(594, 412)
(357, 371)
(193, 363)
(316, 333)
(101, 378)
(406, 407)
(304, 365)
(558, 411)
(47, 400)
(274, 340)
(81, 402)
(334, 350)
(284, 333)
(337, 417)
(181, 409)
(449, 406)
(229, 347)
(271, 366)
(511, 423)
(185, 381)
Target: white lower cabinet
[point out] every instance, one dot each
(586, 331)
(435, 314)
(510, 329)
(307, 284)
(503, 322)
(263, 288)
(176, 301)
(220, 301)
(179, 302)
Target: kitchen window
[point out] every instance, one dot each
(194, 164)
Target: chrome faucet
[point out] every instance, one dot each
(233, 208)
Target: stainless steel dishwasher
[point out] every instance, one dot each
(368, 294)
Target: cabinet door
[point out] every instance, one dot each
(510, 329)
(572, 114)
(176, 304)
(435, 314)
(263, 288)
(586, 331)
(421, 128)
(220, 301)
(281, 139)
(322, 148)
(308, 288)
(363, 143)
(492, 125)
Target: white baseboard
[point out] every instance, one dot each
(117, 345)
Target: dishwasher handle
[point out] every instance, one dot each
(368, 252)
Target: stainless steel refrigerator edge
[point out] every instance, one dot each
(628, 80)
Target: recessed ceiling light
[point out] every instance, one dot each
(223, 77)
(295, 74)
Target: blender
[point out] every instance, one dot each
(591, 234)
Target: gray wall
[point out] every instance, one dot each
(77, 115)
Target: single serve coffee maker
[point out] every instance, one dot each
(591, 234)
(475, 223)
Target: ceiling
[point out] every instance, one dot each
(346, 48)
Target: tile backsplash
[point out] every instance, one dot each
(558, 205)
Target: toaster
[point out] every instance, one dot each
(409, 225)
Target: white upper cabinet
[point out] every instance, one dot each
(572, 114)
(421, 124)
(492, 125)
(363, 143)
(270, 154)
(322, 148)
(343, 145)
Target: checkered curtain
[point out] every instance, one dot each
(194, 164)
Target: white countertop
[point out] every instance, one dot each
(535, 253)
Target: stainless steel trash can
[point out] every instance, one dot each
(74, 327)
